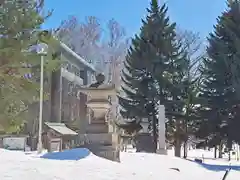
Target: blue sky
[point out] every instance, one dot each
(195, 15)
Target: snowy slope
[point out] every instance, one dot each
(158, 164)
(134, 166)
(16, 164)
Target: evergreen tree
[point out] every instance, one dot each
(185, 78)
(220, 108)
(149, 66)
(181, 104)
(20, 29)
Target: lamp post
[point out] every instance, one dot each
(42, 51)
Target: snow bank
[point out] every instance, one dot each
(17, 165)
(133, 166)
(158, 164)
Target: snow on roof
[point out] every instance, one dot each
(35, 48)
(79, 58)
(60, 128)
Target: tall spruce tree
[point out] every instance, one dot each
(20, 30)
(185, 77)
(149, 67)
(231, 21)
(220, 108)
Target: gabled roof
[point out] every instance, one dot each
(80, 59)
(61, 128)
(71, 52)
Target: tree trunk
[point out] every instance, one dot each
(229, 155)
(185, 145)
(238, 150)
(215, 152)
(177, 147)
(229, 147)
(185, 150)
(220, 150)
(177, 139)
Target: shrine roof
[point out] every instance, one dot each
(77, 57)
(60, 128)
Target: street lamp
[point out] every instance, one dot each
(42, 51)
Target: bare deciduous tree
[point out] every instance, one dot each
(105, 50)
(115, 50)
(81, 37)
(103, 46)
(192, 45)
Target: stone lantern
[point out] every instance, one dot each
(100, 131)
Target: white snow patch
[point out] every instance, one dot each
(134, 166)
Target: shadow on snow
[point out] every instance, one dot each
(71, 154)
(215, 167)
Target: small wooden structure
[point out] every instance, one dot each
(13, 142)
(57, 136)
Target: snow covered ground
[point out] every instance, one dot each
(134, 166)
